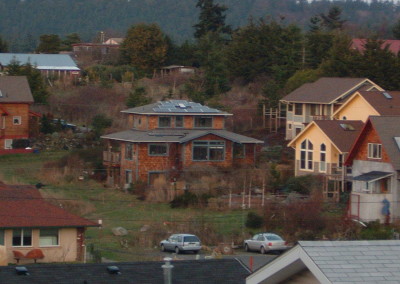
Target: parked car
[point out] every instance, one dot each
(180, 243)
(265, 242)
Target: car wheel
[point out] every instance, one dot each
(177, 250)
(246, 248)
(262, 250)
(162, 248)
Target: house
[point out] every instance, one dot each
(212, 271)
(15, 115)
(168, 137)
(29, 224)
(333, 262)
(321, 148)
(177, 69)
(319, 100)
(60, 66)
(391, 44)
(375, 161)
(363, 104)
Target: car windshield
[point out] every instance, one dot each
(190, 239)
(273, 238)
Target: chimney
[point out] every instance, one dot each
(167, 267)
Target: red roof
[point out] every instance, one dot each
(393, 45)
(23, 206)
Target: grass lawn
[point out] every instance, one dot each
(118, 209)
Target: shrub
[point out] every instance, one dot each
(184, 200)
(254, 221)
(376, 231)
(20, 143)
(302, 184)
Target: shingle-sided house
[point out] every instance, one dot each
(321, 148)
(30, 224)
(363, 104)
(57, 66)
(319, 100)
(375, 162)
(15, 100)
(333, 262)
(168, 137)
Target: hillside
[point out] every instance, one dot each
(23, 21)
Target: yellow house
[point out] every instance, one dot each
(319, 100)
(363, 104)
(321, 148)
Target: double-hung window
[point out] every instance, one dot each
(164, 121)
(160, 149)
(128, 151)
(208, 151)
(48, 237)
(322, 158)
(22, 237)
(374, 151)
(203, 122)
(178, 121)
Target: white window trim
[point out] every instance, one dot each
(19, 118)
(320, 162)
(8, 143)
(22, 238)
(370, 151)
(307, 151)
(58, 240)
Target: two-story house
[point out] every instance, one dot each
(168, 137)
(15, 100)
(375, 161)
(321, 148)
(319, 100)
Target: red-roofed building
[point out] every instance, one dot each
(29, 223)
(393, 45)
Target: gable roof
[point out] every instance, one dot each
(23, 206)
(342, 133)
(327, 90)
(391, 44)
(41, 61)
(213, 271)
(335, 262)
(178, 107)
(385, 103)
(15, 89)
(176, 135)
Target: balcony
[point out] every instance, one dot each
(320, 117)
(112, 159)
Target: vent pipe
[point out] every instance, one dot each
(167, 267)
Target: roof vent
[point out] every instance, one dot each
(387, 95)
(113, 269)
(21, 270)
(346, 126)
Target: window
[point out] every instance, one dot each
(340, 161)
(158, 150)
(48, 237)
(22, 238)
(208, 151)
(128, 151)
(1, 237)
(298, 109)
(306, 155)
(290, 107)
(238, 150)
(314, 109)
(289, 126)
(179, 121)
(164, 121)
(374, 151)
(8, 143)
(16, 120)
(202, 121)
(322, 158)
(128, 177)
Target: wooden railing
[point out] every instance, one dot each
(113, 158)
(320, 117)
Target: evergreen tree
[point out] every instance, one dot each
(66, 44)
(137, 98)
(396, 29)
(332, 20)
(100, 122)
(211, 19)
(3, 45)
(50, 43)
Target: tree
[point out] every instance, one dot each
(100, 122)
(70, 39)
(332, 21)
(211, 19)
(396, 29)
(145, 47)
(50, 43)
(137, 98)
(3, 45)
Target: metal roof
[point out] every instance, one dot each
(41, 61)
(372, 176)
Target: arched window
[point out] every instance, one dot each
(306, 155)
(322, 158)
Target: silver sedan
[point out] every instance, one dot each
(265, 242)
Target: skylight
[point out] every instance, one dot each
(347, 126)
(397, 140)
(387, 95)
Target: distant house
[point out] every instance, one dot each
(29, 223)
(168, 137)
(212, 271)
(321, 149)
(177, 70)
(319, 100)
(392, 45)
(333, 262)
(15, 115)
(375, 162)
(58, 66)
(363, 104)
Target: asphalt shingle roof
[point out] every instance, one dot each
(227, 271)
(15, 89)
(381, 102)
(41, 61)
(326, 90)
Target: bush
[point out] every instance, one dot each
(184, 200)
(254, 221)
(20, 143)
(376, 231)
(302, 184)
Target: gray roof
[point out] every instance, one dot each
(337, 262)
(230, 271)
(179, 107)
(15, 89)
(176, 135)
(327, 90)
(372, 176)
(41, 61)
